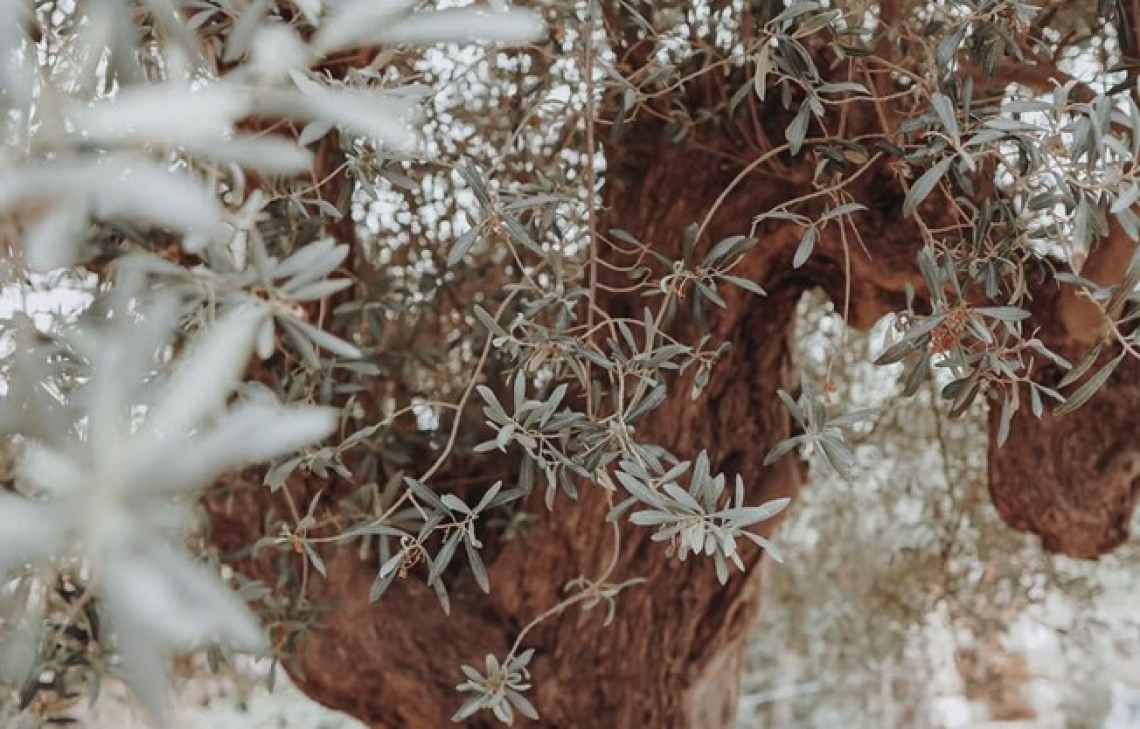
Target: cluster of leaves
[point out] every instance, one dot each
(498, 689)
(108, 480)
(692, 520)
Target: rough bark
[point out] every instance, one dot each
(668, 659)
(662, 661)
(1074, 479)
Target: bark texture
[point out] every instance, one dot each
(668, 660)
(1074, 479)
(670, 657)
(662, 661)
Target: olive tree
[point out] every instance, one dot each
(470, 365)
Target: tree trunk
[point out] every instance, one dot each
(672, 656)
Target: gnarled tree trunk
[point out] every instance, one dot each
(664, 660)
(670, 658)
(674, 650)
